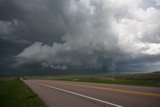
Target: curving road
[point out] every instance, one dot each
(80, 94)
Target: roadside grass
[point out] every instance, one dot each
(14, 93)
(143, 79)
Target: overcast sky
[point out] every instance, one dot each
(53, 36)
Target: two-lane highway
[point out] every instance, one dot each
(80, 94)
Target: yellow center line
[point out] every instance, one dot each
(111, 89)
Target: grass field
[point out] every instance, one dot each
(14, 93)
(143, 79)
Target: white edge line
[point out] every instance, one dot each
(77, 94)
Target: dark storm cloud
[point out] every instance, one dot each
(42, 18)
(23, 22)
(81, 34)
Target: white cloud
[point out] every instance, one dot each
(158, 2)
(98, 31)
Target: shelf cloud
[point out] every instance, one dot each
(106, 35)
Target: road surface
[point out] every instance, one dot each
(81, 94)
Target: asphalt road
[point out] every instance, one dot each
(80, 94)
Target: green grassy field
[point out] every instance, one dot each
(14, 93)
(143, 79)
